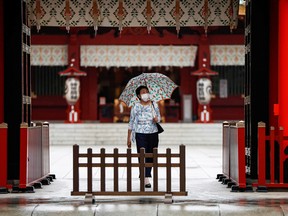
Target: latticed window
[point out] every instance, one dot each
(234, 76)
(46, 81)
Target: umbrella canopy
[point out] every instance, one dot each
(160, 87)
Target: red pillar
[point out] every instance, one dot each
(273, 75)
(89, 92)
(187, 86)
(3, 154)
(1, 64)
(282, 63)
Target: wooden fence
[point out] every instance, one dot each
(275, 177)
(129, 164)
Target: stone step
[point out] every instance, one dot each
(116, 134)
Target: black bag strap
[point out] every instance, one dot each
(152, 102)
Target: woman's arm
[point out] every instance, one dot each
(129, 138)
(130, 127)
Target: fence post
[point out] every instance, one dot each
(116, 165)
(182, 168)
(155, 169)
(3, 152)
(261, 154)
(129, 166)
(168, 169)
(102, 179)
(142, 168)
(272, 154)
(75, 168)
(89, 169)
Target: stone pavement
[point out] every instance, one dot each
(206, 196)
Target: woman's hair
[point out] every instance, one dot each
(139, 89)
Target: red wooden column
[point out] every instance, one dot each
(282, 63)
(3, 155)
(1, 64)
(89, 93)
(273, 66)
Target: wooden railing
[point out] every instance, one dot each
(275, 177)
(129, 164)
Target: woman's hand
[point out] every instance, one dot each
(129, 139)
(155, 119)
(129, 143)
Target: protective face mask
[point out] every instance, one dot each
(145, 97)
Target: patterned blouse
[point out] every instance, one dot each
(141, 118)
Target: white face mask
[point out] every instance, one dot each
(145, 97)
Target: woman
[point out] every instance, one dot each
(143, 118)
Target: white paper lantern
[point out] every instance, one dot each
(204, 90)
(72, 90)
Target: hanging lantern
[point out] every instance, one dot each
(177, 16)
(120, 15)
(38, 14)
(96, 15)
(67, 14)
(204, 89)
(72, 90)
(148, 14)
(231, 13)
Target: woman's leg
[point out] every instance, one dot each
(153, 141)
(142, 142)
(147, 141)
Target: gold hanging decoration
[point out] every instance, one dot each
(148, 14)
(177, 16)
(67, 14)
(120, 15)
(231, 13)
(206, 15)
(38, 14)
(96, 15)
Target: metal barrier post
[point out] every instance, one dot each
(23, 155)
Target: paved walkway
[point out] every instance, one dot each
(206, 196)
